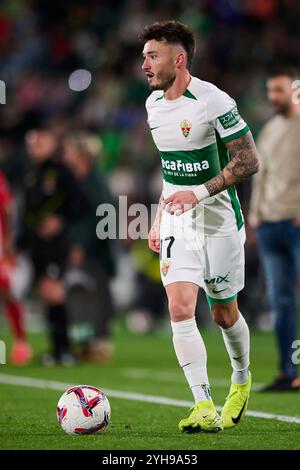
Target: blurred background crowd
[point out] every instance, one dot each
(75, 96)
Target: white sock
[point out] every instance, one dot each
(191, 354)
(237, 342)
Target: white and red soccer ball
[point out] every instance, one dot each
(83, 409)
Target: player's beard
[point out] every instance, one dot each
(163, 82)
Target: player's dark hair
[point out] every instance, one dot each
(173, 32)
(290, 71)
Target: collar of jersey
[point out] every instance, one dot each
(186, 94)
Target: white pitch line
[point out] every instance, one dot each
(61, 386)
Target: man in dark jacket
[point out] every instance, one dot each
(53, 199)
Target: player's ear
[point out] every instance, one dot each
(180, 59)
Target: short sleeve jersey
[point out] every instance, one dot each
(190, 133)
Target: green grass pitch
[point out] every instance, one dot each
(147, 365)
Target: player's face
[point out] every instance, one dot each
(280, 93)
(159, 64)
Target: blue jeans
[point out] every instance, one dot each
(279, 245)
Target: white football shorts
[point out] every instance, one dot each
(214, 263)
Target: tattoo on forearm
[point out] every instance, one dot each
(214, 185)
(244, 160)
(243, 163)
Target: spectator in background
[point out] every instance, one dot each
(275, 214)
(11, 282)
(52, 200)
(93, 257)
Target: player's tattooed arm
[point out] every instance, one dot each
(243, 163)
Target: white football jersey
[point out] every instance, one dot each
(190, 133)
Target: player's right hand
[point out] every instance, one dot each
(154, 239)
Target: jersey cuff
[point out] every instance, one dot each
(236, 135)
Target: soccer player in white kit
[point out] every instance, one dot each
(205, 149)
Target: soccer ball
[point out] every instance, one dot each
(83, 410)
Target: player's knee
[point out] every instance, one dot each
(180, 309)
(223, 315)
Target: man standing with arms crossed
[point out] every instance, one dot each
(194, 125)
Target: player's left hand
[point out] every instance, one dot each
(180, 202)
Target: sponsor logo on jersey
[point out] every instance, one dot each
(179, 165)
(185, 127)
(165, 266)
(229, 119)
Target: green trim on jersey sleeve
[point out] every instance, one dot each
(190, 167)
(224, 159)
(236, 135)
(188, 94)
(212, 300)
(159, 98)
